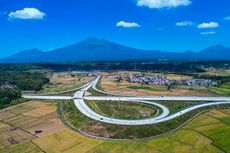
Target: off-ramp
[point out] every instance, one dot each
(164, 116)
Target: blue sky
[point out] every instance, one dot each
(170, 25)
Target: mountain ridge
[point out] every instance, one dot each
(93, 49)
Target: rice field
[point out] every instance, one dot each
(19, 123)
(208, 133)
(24, 147)
(200, 135)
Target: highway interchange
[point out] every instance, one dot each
(79, 98)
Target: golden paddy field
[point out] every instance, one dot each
(208, 133)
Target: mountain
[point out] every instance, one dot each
(217, 52)
(94, 49)
(23, 56)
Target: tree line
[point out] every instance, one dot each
(16, 78)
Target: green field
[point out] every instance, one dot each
(226, 85)
(176, 106)
(122, 110)
(144, 88)
(223, 91)
(184, 141)
(220, 136)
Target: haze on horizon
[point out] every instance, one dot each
(145, 24)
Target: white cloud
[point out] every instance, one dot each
(157, 4)
(184, 23)
(208, 25)
(127, 24)
(227, 18)
(27, 13)
(208, 33)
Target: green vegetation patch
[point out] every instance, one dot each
(24, 80)
(176, 106)
(183, 141)
(223, 91)
(226, 85)
(15, 78)
(9, 97)
(123, 110)
(95, 93)
(220, 136)
(144, 88)
(226, 120)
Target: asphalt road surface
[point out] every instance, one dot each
(164, 116)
